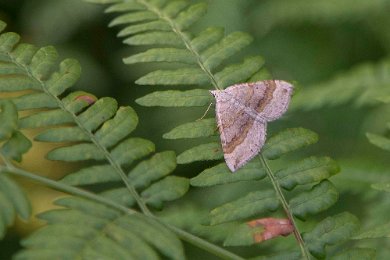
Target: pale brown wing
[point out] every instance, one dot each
(268, 99)
(241, 135)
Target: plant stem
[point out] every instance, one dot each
(182, 234)
(286, 207)
(203, 244)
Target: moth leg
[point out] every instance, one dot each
(205, 113)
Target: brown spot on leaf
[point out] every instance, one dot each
(273, 227)
(89, 99)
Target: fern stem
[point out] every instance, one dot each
(61, 186)
(286, 207)
(190, 238)
(185, 40)
(203, 244)
(106, 153)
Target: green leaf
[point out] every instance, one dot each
(87, 229)
(380, 141)
(162, 54)
(190, 16)
(309, 170)
(331, 231)
(153, 38)
(8, 40)
(222, 50)
(379, 231)
(78, 152)
(16, 146)
(220, 174)
(43, 62)
(356, 253)
(16, 196)
(168, 189)
(16, 82)
(172, 8)
(63, 134)
(124, 6)
(242, 235)
(146, 172)
(203, 152)
(176, 98)
(92, 175)
(117, 128)
(252, 204)
(290, 255)
(262, 74)
(288, 140)
(382, 186)
(34, 100)
(8, 119)
(65, 78)
(7, 214)
(23, 53)
(200, 128)
(238, 73)
(157, 235)
(132, 17)
(12, 200)
(144, 27)
(361, 85)
(46, 118)
(131, 149)
(98, 113)
(319, 198)
(184, 76)
(206, 38)
(119, 195)
(103, 1)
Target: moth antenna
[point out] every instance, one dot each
(205, 113)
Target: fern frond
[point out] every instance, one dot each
(361, 85)
(13, 144)
(331, 231)
(380, 231)
(382, 142)
(87, 229)
(273, 13)
(203, 61)
(307, 179)
(94, 129)
(356, 253)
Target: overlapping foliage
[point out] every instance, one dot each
(93, 130)
(14, 144)
(360, 86)
(99, 138)
(164, 28)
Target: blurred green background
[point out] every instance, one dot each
(312, 43)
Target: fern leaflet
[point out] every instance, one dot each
(13, 145)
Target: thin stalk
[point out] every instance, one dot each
(182, 234)
(286, 207)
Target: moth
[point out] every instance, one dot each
(243, 111)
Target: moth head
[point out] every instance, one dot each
(214, 93)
